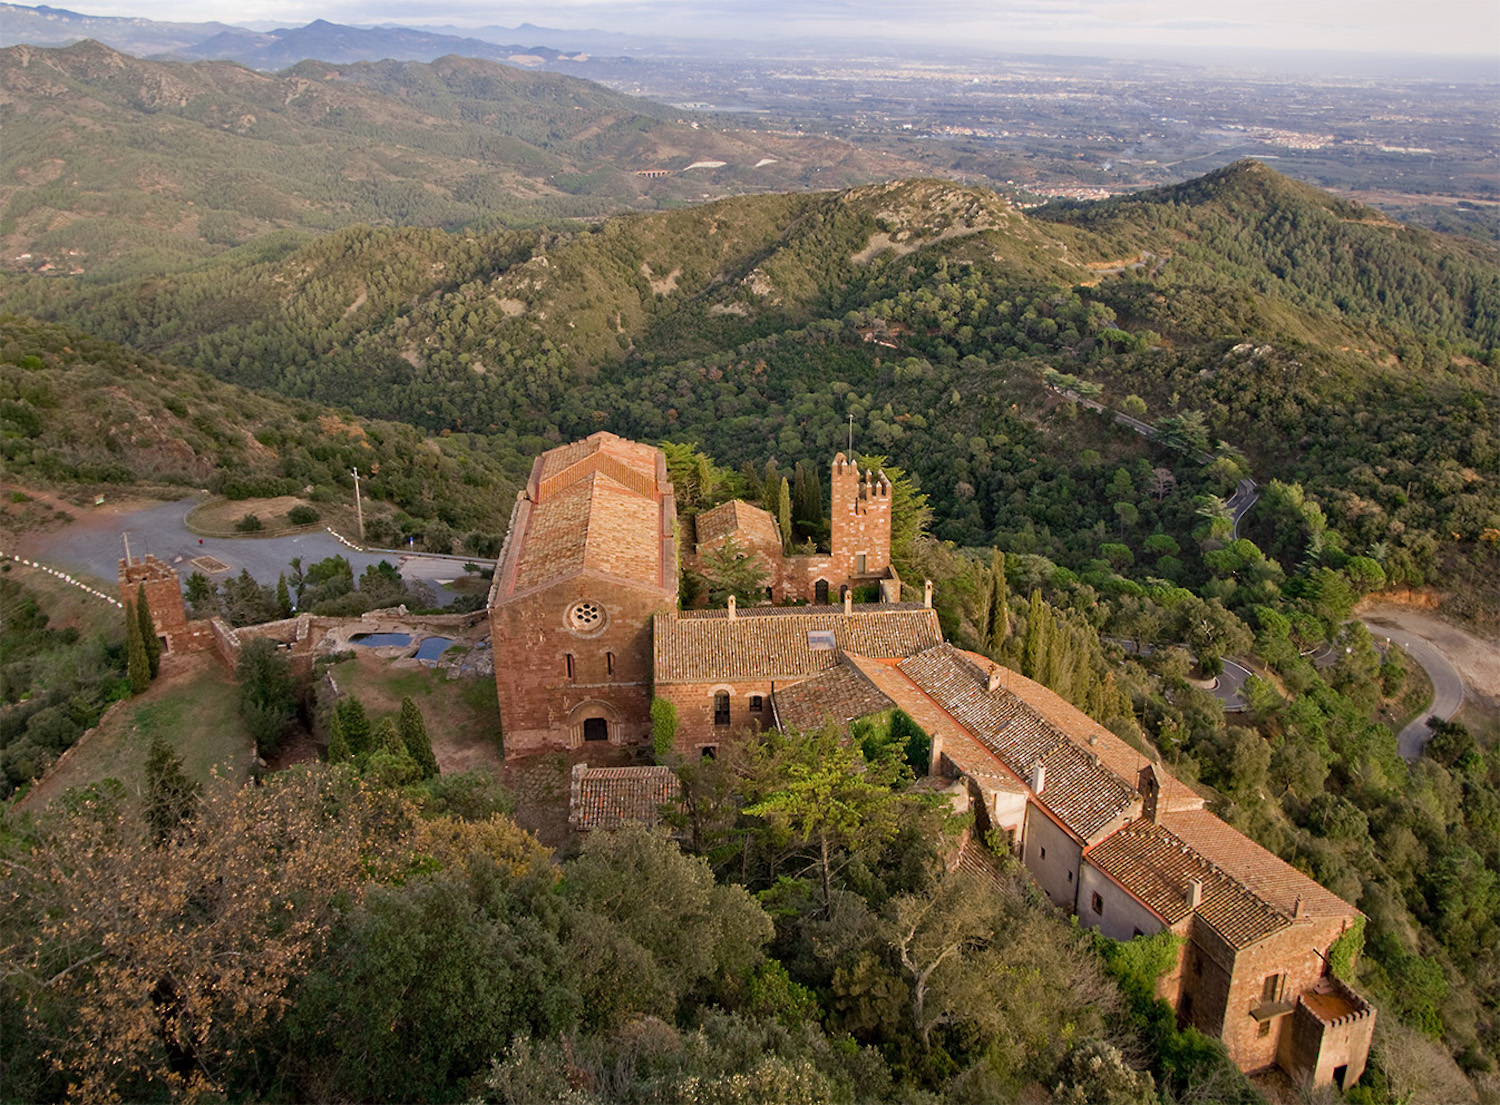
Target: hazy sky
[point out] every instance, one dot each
(1464, 27)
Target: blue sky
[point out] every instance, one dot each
(1458, 27)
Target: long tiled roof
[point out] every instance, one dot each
(1079, 788)
(609, 797)
(737, 517)
(597, 505)
(839, 694)
(774, 644)
(1271, 879)
(1155, 865)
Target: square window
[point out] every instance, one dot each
(1097, 903)
(757, 704)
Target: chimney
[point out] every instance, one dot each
(927, 593)
(1194, 892)
(936, 764)
(731, 608)
(1038, 777)
(993, 684)
(1297, 908)
(848, 600)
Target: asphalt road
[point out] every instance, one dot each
(1447, 686)
(159, 530)
(1245, 496)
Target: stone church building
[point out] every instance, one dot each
(586, 630)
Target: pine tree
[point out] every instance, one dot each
(355, 723)
(414, 736)
(171, 797)
(338, 744)
(148, 630)
(138, 662)
(784, 514)
(283, 597)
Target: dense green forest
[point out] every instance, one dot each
(1349, 365)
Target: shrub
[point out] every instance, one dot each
(250, 523)
(302, 515)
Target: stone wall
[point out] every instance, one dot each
(695, 712)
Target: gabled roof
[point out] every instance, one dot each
(839, 695)
(611, 797)
(1269, 878)
(737, 518)
(1090, 774)
(707, 646)
(1155, 866)
(600, 505)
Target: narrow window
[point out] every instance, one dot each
(757, 704)
(859, 564)
(1269, 987)
(1265, 1029)
(609, 662)
(1044, 851)
(820, 592)
(721, 708)
(570, 665)
(1098, 903)
(1070, 876)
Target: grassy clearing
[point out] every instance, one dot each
(463, 716)
(66, 605)
(193, 706)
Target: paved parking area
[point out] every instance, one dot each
(95, 549)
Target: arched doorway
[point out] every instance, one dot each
(595, 729)
(820, 592)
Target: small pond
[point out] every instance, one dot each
(433, 647)
(380, 640)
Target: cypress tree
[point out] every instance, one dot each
(171, 797)
(799, 491)
(784, 514)
(283, 597)
(998, 626)
(1038, 624)
(414, 736)
(338, 744)
(769, 486)
(355, 723)
(138, 663)
(148, 630)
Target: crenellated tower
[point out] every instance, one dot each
(860, 540)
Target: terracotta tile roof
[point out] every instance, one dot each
(601, 505)
(592, 523)
(1269, 878)
(839, 695)
(737, 518)
(1079, 789)
(629, 462)
(773, 642)
(609, 797)
(1154, 865)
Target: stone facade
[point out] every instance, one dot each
(590, 558)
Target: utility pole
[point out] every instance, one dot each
(851, 431)
(126, 538)
(359, 509)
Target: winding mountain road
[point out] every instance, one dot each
(1435, 645)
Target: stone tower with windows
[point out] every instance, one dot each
(860, 540)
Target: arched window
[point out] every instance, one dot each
(820, 592)
(721, 708)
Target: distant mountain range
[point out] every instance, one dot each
(275, 49)
(112, 163)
